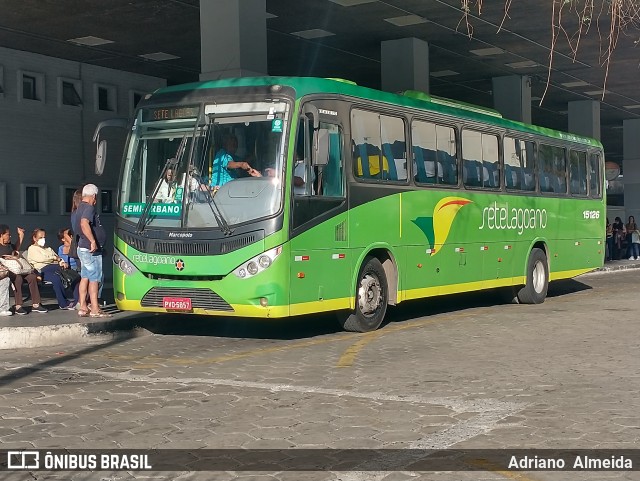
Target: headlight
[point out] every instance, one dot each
(264, 261)
(252, 268)
(258, 263)
(122, 263)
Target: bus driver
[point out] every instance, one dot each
(225, 160)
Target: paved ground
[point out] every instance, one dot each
(459, 372)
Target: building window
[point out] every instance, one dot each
(66, 199)
(134, 100)
(30, 86)
(105, 98)
(69, 92)
(106, 201)
(34, 199)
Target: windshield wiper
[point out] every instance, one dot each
(215, 209)
(171, 163)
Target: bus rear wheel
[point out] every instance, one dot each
(535, 290)
(371, 299)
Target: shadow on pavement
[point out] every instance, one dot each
(234, 327)
(301, 327)
(23, 372)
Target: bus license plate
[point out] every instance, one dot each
(177, 303)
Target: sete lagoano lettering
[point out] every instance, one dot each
(501, 217)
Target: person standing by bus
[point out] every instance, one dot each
(618, 236)
(633, 239)
(92, 237)
(609, 251)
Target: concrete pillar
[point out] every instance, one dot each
(584, 118)
(631, 167)
(512, 97)
(233, 38)
(405, 65)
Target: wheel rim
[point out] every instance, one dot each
(369, 295)
(538, 277)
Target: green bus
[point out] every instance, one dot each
(357, 199)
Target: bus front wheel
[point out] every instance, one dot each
(535, 290)
(371, 299)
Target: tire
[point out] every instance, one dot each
(535, 290)
(371, 299)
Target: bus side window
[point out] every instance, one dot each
(330, 177)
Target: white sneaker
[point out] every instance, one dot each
(6, 313)
(632, 258)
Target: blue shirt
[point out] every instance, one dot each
(71, 262)
(219, 172)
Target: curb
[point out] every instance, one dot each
(19, 337)
(614, 266)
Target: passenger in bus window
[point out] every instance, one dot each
(167, 191)
(224, 160)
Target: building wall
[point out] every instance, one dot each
(48, 145)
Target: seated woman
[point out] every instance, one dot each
(47, 263)
(7, 248)
(65, 235)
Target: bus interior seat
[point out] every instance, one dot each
(510, 177)
(528, 179)
(471, 173)
(371, 169)
(418, 162)
(391, 173)
(449, 168)
(399, 150)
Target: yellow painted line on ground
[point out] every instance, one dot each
(232, 357)
(265, 350)
(484, 464)
(349, 356)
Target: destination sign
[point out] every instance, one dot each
(170, 113)
(160, 210)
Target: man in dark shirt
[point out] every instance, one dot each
(9, 249)
(92, 237)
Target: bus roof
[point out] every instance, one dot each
(415, 99)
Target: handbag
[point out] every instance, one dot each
(4, 272)
(17, 265)
(68, 277)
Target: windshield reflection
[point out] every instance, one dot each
(229, 170)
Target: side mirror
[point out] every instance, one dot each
(101, 156)
(101, 145)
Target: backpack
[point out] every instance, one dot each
(73, 247)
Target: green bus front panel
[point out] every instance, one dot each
(208, 281)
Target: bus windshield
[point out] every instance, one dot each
(224, 170)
